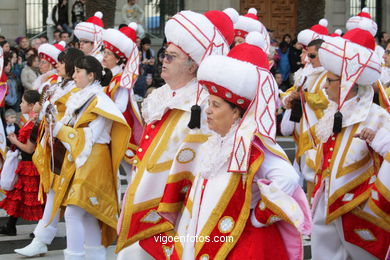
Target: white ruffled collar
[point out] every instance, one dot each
(61, 91)
(164, 98)
(78, 99)
(354, 110)
(216, 152)
(116, 70)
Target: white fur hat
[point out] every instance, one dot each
(91, 29)
(356, 22)
(352, 62)
(235, 77)
(122, 41)
(195, 35)
(318, 31)
(50, 52)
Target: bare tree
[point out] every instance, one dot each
(107, 7)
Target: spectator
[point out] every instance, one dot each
(43, 39)
(11, 100)
(78, 12)
(56, 36)
(35, 43)
(31, 51)
(6, 47)
(131, 12)
(64, 36)
(157, 80)
(2, 38)
(59, 16)
(287, 38)
(147, 56)
(16, 63)
(284, 64)
(295, 56)
(383, 38)
(30, 72)
(279, 80)
(10, 125)
(23, 45)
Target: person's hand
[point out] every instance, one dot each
(12, 138)
(290, 98)
(37, 108)
(366, 134)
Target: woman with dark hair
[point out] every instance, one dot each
(5, 45)
(22, 201)
(12, 98)
(56, 95)
(147, 56)
(30, 72)
(93, 131)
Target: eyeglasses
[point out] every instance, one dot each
(312, 55)
(387, 52)
(328, 80)
(167, 56)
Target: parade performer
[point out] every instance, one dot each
(239, 182)
(308, 94)
(167, 110)
(22, 201)
(348, 221)
(120, 49)
(90, 35)
(92, 130)
(56, 95)
(250, 23)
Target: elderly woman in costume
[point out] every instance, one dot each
(56, 95)
(235, 193)
(350, 204)
(92, 130)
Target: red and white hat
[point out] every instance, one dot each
(50, 52)
(250, 23)
(195, 35)
(318, 31)
(224, 21)
(361, 35)
(369, 24)
(122, 41)
(354, 63)
(337, 33)
(234, 77)
(91, 29)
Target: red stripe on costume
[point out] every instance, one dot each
(263, 215)
(357, 191)
(353, 224)
(174, 191)
(138, 224)
(156, 247)
(150, 131)
(381, 202)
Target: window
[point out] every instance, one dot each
(374, 9)
(36, 14)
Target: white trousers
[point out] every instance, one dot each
(327, 240)
(81, 229)
(135, 252)
(45, 232)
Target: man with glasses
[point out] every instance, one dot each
(308, 91)
(167, 112)
(90, 35)
(351, 194)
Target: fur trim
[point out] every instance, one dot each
(237, 76)
(84, 155)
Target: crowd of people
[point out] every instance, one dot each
(194, 128)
